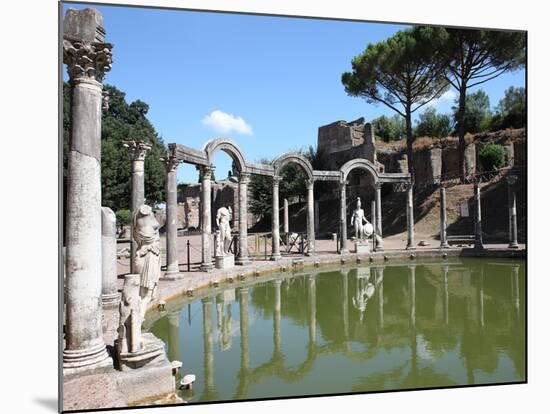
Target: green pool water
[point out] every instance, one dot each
(398, 326)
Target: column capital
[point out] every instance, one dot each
(310, 184)
(378, 185)
(276, 179)
(171, 162)
(206, 170)
(86, 61)
(138, 149)
(244, 177)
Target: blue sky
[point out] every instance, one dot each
(266, 82)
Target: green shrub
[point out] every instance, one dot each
(492, 157)
(123, 218)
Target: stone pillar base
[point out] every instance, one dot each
(274, 257)
(362, 247)
(225, 261)
(411, 247)
(173, 275)
(111, 300)
(444, 246)
(206, 267)
(513, 246)
(78, 360)
(343, 251)
(479, 246)
(151, 352)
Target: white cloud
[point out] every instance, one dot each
(449, 95)
(223, 122)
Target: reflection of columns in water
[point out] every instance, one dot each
(277, 317)
(174, 336)
(208, 342)
(243, 320)
(515, 288)
(412, 293)
(481, 298)
(380, 286)
(446, 293)
(345, 303)
(312, 308)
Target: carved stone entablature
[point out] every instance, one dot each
(87, 60)
(138, 149)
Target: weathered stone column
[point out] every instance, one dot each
(477, 217)
(310, 218)
(242, 258)
(277, 318)
(206, 228)
(410, 218)
(109, 292)
(138, 151)
(285, 217)
(343, 220)
(513, 222)
(172, 263)
(275, 248)
(87, 58)
(378, 199)
(443, 218)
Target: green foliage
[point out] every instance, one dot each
(122, 122)
(261, 188)
(492, 157)
(432, 124)
(389, 128)
(511, 111)
(477, 115)
(123, 218)
(403, 72)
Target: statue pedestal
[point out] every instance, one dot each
(362, 247)
(225, 261)
(151, 352)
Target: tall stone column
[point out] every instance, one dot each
(109, 292)
(87, 58)
(378, 199)
(138, 151)
(343, 220)
(512, 217)
(410, 218)
(443, 218)
(477, 216)
(172, 263)
(277, 318)
(285, 216)
(275, 248)
(310, 218)
(206, 228)
(242, 258)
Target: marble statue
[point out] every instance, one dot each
(361, 226)
(223, 217)
(146, 235)
(129, 327)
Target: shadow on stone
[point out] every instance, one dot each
(49, 403)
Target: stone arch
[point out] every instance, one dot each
(359, 163)
(293, 157)
(229, 147)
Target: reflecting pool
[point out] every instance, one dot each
(397, 326)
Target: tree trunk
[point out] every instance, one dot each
(461, 132)
(410, 139)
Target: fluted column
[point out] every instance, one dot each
(277, 317)
(138, 151)
(242, 258)
(206, 223)
(378, 199)
(310, 218)
(512, 217)
(109, 292)
(172, 263)
(87, 58)
(443, 218)
(343, 220)
(410, 218)
(275, 248)
(477, 217)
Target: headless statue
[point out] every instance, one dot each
(223, 217)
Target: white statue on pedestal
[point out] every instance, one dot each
(223, 217)
(361, 226)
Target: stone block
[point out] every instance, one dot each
(225, 262)
(84, 25)
(362, 247)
